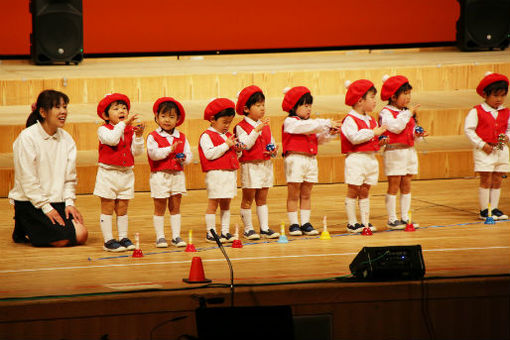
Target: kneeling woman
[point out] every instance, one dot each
(45, 178)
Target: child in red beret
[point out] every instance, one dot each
(119, 143)
(488, 128)
(256, 165)
(400, 157)
(168, 151)
(360, 142)
(218, 157)
(300, 138)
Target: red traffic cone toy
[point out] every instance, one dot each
(409, 225)
(137, 252)
(190, 247)
(366, 231)
(196, 272)
(237, 242)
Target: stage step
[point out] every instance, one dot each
(439, 157)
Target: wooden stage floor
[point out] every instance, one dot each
(454, 242)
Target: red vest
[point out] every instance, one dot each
(299, 142)
(489, 128)
(406, 136)
(371, 145)
(228, 161)
(170, 162)
(119, 154)
(257, 150)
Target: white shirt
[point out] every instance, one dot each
(249, 139)
(157, 153)
(44, 168)
(394, 125)
(113, 137)
(318, 126)
(210, 151)
(351, 132)
(471, 123)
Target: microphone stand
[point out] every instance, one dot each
(220, 245)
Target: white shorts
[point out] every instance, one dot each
(257, 175)
(497, 161)
(221, 183)
(400, 162)
(301, 168)
(167, 183)
(361, 168)
(115, 184)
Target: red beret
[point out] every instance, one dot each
(391, 85)
(216, 106)
(292, 96)
(489, 79)
(244, 95)
(356, 90)
(110, 98)
(161, 100)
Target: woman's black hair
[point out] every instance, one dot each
(496, 87)
(230, 112)
(46, 100)
(306, 99)
(254, 99)
(405, 87)
(168, 107)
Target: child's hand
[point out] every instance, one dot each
(383, 140)
(231, 141)
(414, 109)
(335, 127)
(487, 149)
(379, 130)
(174, 146)
(271, 150)
(131, 119)
(264, 121)
(180, 157)
(139, 128)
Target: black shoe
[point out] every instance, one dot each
(126, 243)
(308, 229)
(484, 214)
(269, 233)
(251, 235)
(295, 230)
(498, 215)
(113, 246)
(357, 228)
(227, 238)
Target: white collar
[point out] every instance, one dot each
(251, 121)
(163, 133)
(45, 135)
(359, 115)
(489, 108)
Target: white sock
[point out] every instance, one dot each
(293, 219)
(305, 216)
(483, 197)
(159, 226)
(122, 226)
(262, 214)
(175, 223)
(246, 218)
(105, 221)
(225, 221)
(391, 207)
(364, 211)
(494, 198)
(210, 222)
(405, 206)
(350, 209)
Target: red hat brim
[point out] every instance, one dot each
(244, 95)
(216, 106)
(292, 97)
(161, 100)
(391, 85)
(110, 98)
(489, 79)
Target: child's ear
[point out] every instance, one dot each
(104, 115)
(246, 110)
(484, 95)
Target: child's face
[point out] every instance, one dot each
(403, 99)
(167, 120)
(256, 111)
(56, 116)
(304, 111)
(222, 124)
(117, 113)
(368, 103)
(495, 99)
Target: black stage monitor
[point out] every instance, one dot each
(57, 31)
(388, 263)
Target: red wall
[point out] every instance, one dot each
(123, 26)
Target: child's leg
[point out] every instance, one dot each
(405, 197)
(121, 208)
(210, 215)
(364, 204)
(174, 206)
(350, 203)
(159, 218)
(225, 219)
(106, 218)
(484, 190)
(246, 201)
(262, 211)
(495, 192)
(391, 197)
(305, 204)
(293, 193)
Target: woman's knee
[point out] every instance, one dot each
(82, 233)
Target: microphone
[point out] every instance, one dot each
(220, 245)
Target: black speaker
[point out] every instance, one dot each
(57, 31)
(247, 323)
(483, 25)
(388, 263)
